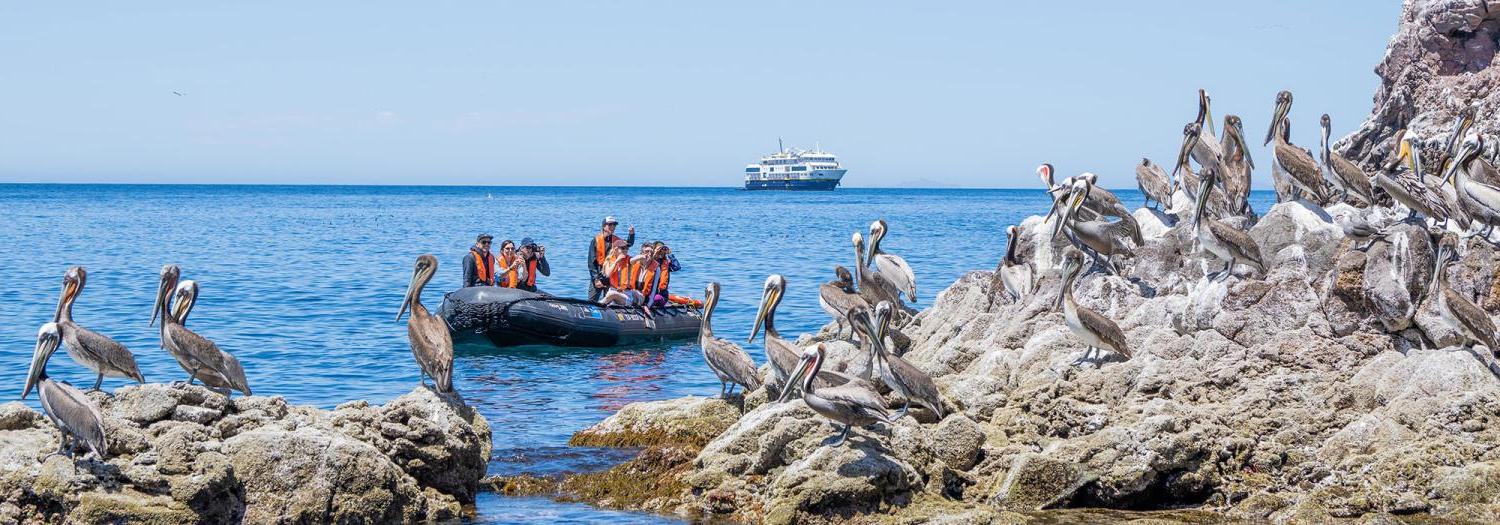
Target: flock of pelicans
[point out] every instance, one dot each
(849, 390)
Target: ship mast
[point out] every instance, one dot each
(780, 148)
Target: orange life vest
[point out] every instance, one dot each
(484, 266)
(650, 276)
(625, 274)
(601, 247)
(531, 272)
(508, 277)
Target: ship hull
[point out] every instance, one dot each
(793, 184)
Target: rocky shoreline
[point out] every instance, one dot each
(185, 454)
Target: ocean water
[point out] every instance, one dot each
(302, 284)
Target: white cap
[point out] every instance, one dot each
(610, 219)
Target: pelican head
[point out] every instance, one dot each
(1044, 172)
(812, 360)
(710, 295)
(1234, 129)
(183, 300)
(769, 299)
(47, 340)
(1283, 105)
(877, 232)
(859, 254)
(1191, 134)
(1090, 178)
(1471, 146)
(1461, 124)
(421, 273)
(73, 281)
(1447, 251)
(1210, 176)
(1077, 193)
(1072, 264)
(169, 275)
(881, 320)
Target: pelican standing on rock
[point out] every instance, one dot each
(782, 354)
(890, 267)
(853, 403)
(1153, 183)
(431, 344)
(1411, 190)
(1238, 166)
(1102, 240)
(1229, 244)
(1479, 200)
(728, 361)
(1017, 276)
(871, 287)
(75, 416)
(200, 357)
(1457, 310)
(93, 350)
(1219, 205)
(1295, 163)
(837, 297)
(1096, 331)
(914, 385)
(1344, 173)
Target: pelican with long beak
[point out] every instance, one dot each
(871, 287)
(1219, 206)
(1016, 275)
(890, 267)
(914, 385)
(1461, 124)
(1238, 166)
(1153, 183)
(1410, 189)
(782, 354)
(853, 404)
(1096, 331)
(95, 351)
(198, 356)
(1102, 239)
(728, 361)
(1457, 310)
(1345, 174)
(1229, 244)
(74, 415)
(1295, 163)
(838, 296)
(1479, 200)
(431, 344)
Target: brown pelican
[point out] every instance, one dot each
(837, 297)
(1345, 174)
(914, 385)
(782, 354)
(75, 416)
(854, 403)
(431, 344)
(1207, 150)
(889, 267)
(1457, 310)
(1096, 331)
(871, 287)
(1228, 243)
(93, 350)
(1479, 200)
(1153, 183)
(1219, 206)
(728, 361)
(201, 358)
(1105, 203)
(1295, 163)
(1102, 239)
(1017, 276)
(1410, 189)
(1238, 165)
(1461, 124)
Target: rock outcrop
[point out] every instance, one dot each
(189, 455)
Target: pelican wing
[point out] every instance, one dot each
(731, 361)
(894, 270)
(219, 368)
(857, 398)
(916, 384)
(1153, 182)
(1237, 240)
(114, 359)
(839, 299)
(1301, 167)
(432, 347)
(1353, 178)
(1473, 318)
(1413, 194)
(74, 414)
(1487, 197)
(1108, 331)
(783, 357)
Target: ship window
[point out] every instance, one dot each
(752, 170)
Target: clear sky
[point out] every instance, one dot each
(638, 93)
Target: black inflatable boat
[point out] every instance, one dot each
(510, 317)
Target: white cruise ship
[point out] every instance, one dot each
(812, 169)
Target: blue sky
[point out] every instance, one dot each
(961, 94)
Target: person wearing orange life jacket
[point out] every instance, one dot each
(479, 263)
(656, 274)
(624, 276)
(599, 253)
(508, 265)
(533, 263)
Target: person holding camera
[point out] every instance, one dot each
(656, 274)
(533, 261)
(599, 254)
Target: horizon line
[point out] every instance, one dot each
(579, 186)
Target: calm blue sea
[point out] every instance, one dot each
(302, 283)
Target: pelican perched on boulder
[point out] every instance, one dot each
(914, 385)
(1103, 240)
(1295, 163)
(1345, 174)
(853, 403)
(1457, 310)
(431, 344)
(95, 351)
(1479, 200)
(1018, 277)
(871, 287)
(1219, 204)
(198, 356)
(837, 297)
(1238, 166)
(728, 361)
(1153, 183)
(782, 354)
(1096, 331)
(74, 415)
(890, 267)
(1229, 244)
(1410, 189)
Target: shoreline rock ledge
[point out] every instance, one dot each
(184, 454)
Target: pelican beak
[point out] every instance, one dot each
(162, 289)
(69, 291)
(1065, 204)
(1189, 140)
(183, 304)
(1464, 152)
(760, 315)
(406, 301)
(1282, 107)
(796, 378)
(46, 343)
(1067, 271)
(1208, 115)
(1239, 139)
